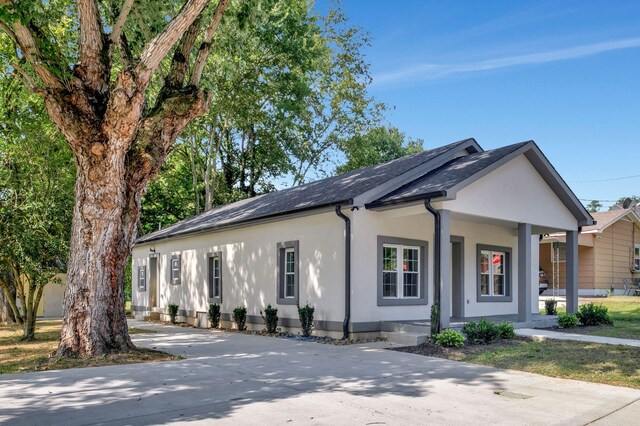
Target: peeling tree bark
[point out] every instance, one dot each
(119, 145)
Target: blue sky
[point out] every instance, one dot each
(563, 73)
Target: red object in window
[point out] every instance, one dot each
(497, 259)
(404, 266)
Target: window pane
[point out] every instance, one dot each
(410, 260)
(484, 261)
(389, 284)
(389, 258)
(410, 284)
(498, 285)
(484, 284)
(637, 263)
(498, 263)
(290, 261)
(289, 288)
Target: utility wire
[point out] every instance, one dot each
(606, 180)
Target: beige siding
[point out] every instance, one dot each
(585, 266)
(614, 251)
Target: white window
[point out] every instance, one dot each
(492, 273)
(215, 277)
(142, 278)
(289, 273)
(636, 258)
(400, 271)
(175, 270)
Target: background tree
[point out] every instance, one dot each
(120, 80)
(594, 206)
(36, 201)
(635, 200)
(377, 146)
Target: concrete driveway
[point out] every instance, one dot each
(241, 379)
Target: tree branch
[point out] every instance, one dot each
(122, 18)
(92, 65)
(157, 48)
(26, 79)
(180, 60)
(205, 47)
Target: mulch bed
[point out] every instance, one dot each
(457, 354)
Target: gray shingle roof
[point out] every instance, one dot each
(325, 192)
(446, 177)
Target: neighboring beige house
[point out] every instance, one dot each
(369, 248)
(608, 252)
(52, 298)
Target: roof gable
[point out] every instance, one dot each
(608, 218)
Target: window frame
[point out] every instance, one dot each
(508, 271)
(177, 279)
(401, 244)
(282, 298)
(142, 287)
(211, 261)
(636, 258)
(562, 248)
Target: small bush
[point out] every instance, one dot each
(550, 306)
(173, 312)
(480, 333)
(240, 317)
(449, 339)
(506, 330)
(270, 318)
(305, 314)
(593, 314)
(214, 315)
(567, 320)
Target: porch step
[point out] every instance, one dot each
(153, 316)
(402, 338)
(411, 327)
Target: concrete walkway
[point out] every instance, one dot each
(240, 379)
(560, 335)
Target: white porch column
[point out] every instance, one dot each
(445, 268)
(524, 272)
(572, 271)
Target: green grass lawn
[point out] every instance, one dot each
(20, 356)
(623, 310)
(591, 362)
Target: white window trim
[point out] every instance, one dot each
(142, 278)
(175, 278)
(289, 273)
(399, 270)
(560, 259)
(636, 256)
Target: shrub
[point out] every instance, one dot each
(214, 315)
(305, 314)
(506, 330)
(567, 320)
(550, 306)
(480, 333)
(173, 312)
(593, 314)
(270, 318)
(240, 317)
(449, 339)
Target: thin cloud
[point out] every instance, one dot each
(436, 71)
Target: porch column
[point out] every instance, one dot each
(445, 268)
(524, 272)
(572, 272)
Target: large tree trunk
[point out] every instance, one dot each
(94, 316)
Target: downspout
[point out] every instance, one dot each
(436, 328)
(347, 272)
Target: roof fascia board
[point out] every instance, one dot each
(470, 146)
(246, 223)
(558, 185)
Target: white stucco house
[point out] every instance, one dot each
(368, 248)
